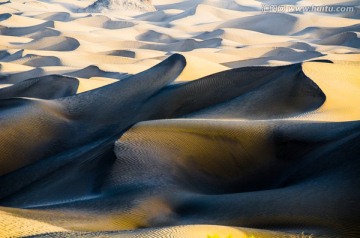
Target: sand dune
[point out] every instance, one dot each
(35, 60)
(350, 39)
(103, 22)
(268, 94)
(178, 118)
(21, 76)
(46, 32)
(104, 5)
(94, 71)
(54, 43)
(24, 30)
(39, 88)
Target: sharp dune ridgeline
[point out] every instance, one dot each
(179, 118)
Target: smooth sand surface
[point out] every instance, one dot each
(178, 118)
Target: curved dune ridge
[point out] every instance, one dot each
(178, 118)
(138, 5)
(46, 87)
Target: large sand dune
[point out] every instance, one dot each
(179, 118)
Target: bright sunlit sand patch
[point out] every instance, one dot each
(14, 225)
(92, 83)
(197, 67)
(7, 68)
(341, 85)
(18, 223)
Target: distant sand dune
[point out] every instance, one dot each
(47, 87)
(101, 5)
(21, 31)
(54, 43)
(46, 32)
(350, 39)
(19, 77)
(35, 60)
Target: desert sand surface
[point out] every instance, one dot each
(179, 118)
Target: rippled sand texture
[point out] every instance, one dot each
(201, 118)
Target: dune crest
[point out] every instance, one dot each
(134, 5)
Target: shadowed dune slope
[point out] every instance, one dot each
(199, 170)
(139, 5)
(79, 107)
(46, 87)
(21, 76)
(54, 43)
